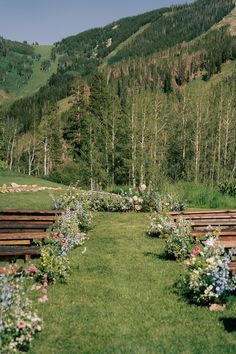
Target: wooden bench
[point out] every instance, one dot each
(225, 220)
(19, 229)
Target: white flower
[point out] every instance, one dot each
(210, 241)
(135, 198)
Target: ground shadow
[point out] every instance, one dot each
(162, 256)
(229, 323)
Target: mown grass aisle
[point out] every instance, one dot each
(120, 299)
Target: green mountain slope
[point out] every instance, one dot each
(23, 69)
(143, 98)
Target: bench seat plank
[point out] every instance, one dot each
(14, 242)
(19, 251)
(30, 212)
(24, 236)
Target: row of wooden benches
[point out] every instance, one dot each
(20, 228)
(223, 220)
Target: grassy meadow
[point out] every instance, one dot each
(15, 88)
(28, 200)
(121, 295)
(121, 298)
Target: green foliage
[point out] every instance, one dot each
(3, 166)
(161, 225)
(179, 239)
(66, 173)
(228, 187)
(54, 266)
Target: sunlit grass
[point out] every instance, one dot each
(120, 299)
(198, 195)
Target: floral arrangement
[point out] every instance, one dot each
(67, 231)
(208, 279)
(53, 266)
(161, 225)
(18, 323)
(138, 198)
(143, 198)
(180, 241)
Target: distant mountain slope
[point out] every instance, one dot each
(23, 69)
(133, 101)
(183, 24)
(229, 20)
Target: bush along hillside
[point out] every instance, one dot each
(137, 121)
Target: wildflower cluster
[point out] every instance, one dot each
(53, 265)
(69, 232)
(179, 240)
(143, 198)
(138, 198)
(161, 225)
(208, 277)
(18, 323)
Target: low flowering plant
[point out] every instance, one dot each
(67, 233)
(180, 241)
(53, 265)
(18, 322)
(208, 278)
(161, 225)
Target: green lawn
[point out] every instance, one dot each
(120, 299)
(28, 200)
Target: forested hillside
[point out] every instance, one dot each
(23, 69)
(142, 103)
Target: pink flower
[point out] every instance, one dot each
(32, 269)
(137, 207)
(36, 287)
(20, 324)
(196, 250)
(43, 299)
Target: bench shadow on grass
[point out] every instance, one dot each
(161, 256)
(229, 323)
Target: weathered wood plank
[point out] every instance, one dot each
(14, 242)
(24, 236)
(19, 251)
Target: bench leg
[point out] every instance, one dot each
(27, 258)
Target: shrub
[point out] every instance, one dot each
(77, 212)
(66, 173)
(179, 241)
(208, 278)
(161, 225)
(3, 166)
(18, 323)
(67, 232)
(228, 188)
(53, 265)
